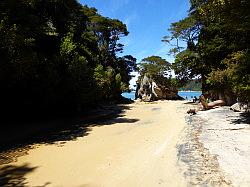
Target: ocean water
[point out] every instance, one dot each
(186, 95)
(189, 95)
(129, 95)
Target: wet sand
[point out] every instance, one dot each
(136, 149)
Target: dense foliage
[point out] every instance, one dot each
(218, 46)
(192, 85)
(157, 69)
(154, 66)
(59, 56)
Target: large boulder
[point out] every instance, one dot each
(240, 107)
(157, 91)
(149, 90)
(143, 90)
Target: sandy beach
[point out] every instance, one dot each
(136, 149)
(149, 144)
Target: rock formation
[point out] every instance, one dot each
(149, 90)
(240, 107)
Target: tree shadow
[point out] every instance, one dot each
(67, 130)
(244, 118)
(15, 175)
(117, 120)
(190, 103)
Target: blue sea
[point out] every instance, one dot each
(188, 95)
(184, 94)
(129, 95)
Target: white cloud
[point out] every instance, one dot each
(132, 82)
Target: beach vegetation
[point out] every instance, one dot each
(59, 57)
(156, 68)
(216, 37)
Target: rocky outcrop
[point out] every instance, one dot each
(240, 107)
(149, 90)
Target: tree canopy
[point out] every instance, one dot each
(158, 69)
(216, 33)
(154, 66)
(59, 56)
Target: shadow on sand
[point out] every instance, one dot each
(190, 103)
(244, 118)
(67, 130)
(15, 175)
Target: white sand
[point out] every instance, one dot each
(142, 153)
(227, 135)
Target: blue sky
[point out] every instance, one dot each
(147, 21)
